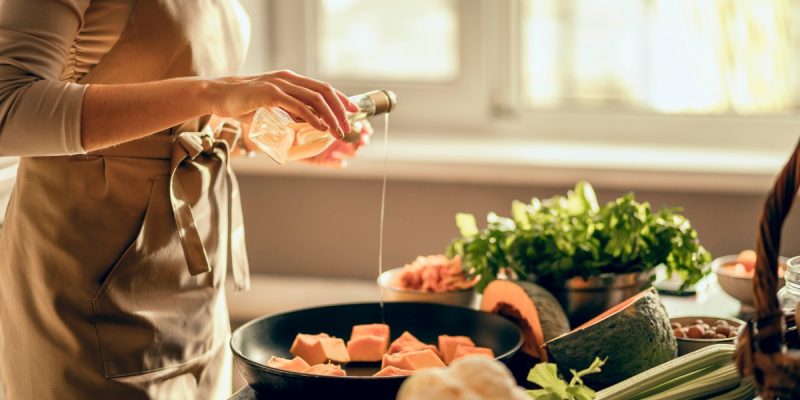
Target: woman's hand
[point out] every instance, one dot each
(312, 101)
(118, 113)
(339, 152)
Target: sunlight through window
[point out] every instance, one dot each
(389, 39)
(672, 56)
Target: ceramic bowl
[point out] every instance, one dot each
(464, 298)
(738, 286)
(688, 345)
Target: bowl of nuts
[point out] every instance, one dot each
(694, 333)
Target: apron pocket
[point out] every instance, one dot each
(150, 313)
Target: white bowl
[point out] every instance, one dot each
(737, 286)
(464, 298)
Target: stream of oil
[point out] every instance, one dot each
(383, 209)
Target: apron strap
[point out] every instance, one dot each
(187, 146)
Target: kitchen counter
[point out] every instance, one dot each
(274, 294)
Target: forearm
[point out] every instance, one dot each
(114, 114)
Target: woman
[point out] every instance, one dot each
(125, 213)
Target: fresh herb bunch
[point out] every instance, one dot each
(562, 237)
(555, 388)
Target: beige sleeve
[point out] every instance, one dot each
(40, 115)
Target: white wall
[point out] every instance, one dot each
(329, 227)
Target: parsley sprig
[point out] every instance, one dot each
(555, 388)
(558, 238)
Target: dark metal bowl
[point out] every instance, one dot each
(584, 299)
(255, 342)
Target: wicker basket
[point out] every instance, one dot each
(762, 350)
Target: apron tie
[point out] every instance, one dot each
(188, 146)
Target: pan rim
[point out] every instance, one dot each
(237, 332)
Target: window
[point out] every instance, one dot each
(645, 72)
(358, 39)
(671, 56)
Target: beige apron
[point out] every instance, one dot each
(112, 265)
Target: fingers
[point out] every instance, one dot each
(336, 100)
(349, 105)
(335, 156)
(317, 102)
(297, 108)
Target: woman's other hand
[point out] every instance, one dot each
(339, 152)
(307, 99)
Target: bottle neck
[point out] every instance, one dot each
(372, 103)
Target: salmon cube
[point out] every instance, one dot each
(393, 371)
(367, 348)
(408, 342)
(296, 364)
(463, 351)
(449, 344)
(380, 330)
(321, 348)
(326, 369)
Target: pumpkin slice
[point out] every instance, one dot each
(634, 335)
(326, 369)
(537, 313)
(413, 360)
(463, 351)
(393, 371)
(408, 342)
(381, 330)
(449, 344)
(367, 348)
(320, 348)
(296, 364)
(392, 360)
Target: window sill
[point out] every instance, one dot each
(530, 162)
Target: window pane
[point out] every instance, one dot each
(388, 39)
(540, 72)
(674, 56)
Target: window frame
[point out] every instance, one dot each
(622, 126)
(484, 101)
(422, 103)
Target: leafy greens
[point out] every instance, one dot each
(554, 388)
(562, 237)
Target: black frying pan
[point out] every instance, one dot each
(255, 342)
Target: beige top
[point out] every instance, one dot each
(50, 49)
(113, 264)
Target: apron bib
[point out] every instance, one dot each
(113, 264)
